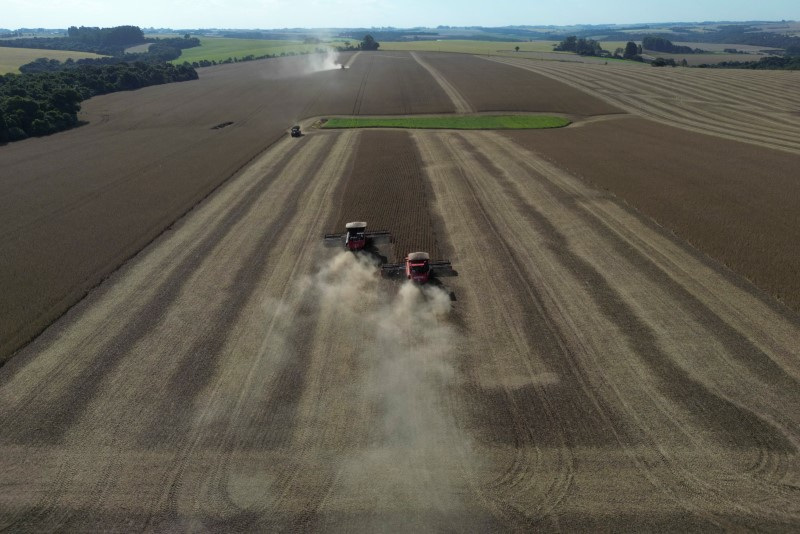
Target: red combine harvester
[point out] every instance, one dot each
(419, 268)
(356, 237)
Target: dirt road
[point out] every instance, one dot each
(236, 376)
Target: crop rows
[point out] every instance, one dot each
(386, 188)
(76, 205)
(504, 89)
(758, 107)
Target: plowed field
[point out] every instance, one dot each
(594, 371)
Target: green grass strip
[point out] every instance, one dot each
(457, 122)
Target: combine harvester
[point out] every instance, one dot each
(356, 237)
(419, 268)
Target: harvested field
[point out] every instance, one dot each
(594, 371)
(235, 376)
(501, 89)
(148, 156)
(734, 201)
(457, 122)
(11, 59)
(758, 107)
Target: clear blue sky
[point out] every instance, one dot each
(375, 13)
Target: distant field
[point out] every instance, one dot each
(471, 47)
(544, 50)
(478, 122)
(12, 58)
(222, 48)
(710, 47)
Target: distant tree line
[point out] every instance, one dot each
(106, 41)
(740, 34)
(159, 52)
(118, 36)
(43, 103)
(659, 44)
(765, 63)
(367, 43)
(581, 46)
(661, 62)
(387, 35)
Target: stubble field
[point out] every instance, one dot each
(593, 372)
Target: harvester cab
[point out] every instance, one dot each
(419, 268)
(356, 237)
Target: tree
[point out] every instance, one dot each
(3, 128)
(588, 47)
(630, 50)
(567, 45)
(582, 46)
(369, 43)
(516, 48)
(661, 62)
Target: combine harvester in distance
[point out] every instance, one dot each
(356, 237)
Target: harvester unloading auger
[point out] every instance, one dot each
(356, 237)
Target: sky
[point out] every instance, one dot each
(268, 14)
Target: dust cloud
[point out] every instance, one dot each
(301, 65)
(415, 452)
(323, 61)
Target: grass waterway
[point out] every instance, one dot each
(457, 122)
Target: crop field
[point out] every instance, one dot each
(757, 107)
(458, 122)
(471, 47)
(182, 353)
(543, 50)
(222, 48)
(12, 58)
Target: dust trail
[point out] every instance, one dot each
(327, 60)
(415, 453)
(302, 65)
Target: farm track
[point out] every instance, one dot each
(594, 372)
(758, 107)
(461, 105)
